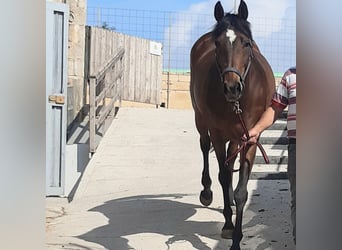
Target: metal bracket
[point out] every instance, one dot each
(237, 107)
(58, 99)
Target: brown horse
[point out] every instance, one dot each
(231, 85)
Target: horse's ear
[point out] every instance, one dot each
(243, 10)
(219, 12)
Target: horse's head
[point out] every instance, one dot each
(233, 41)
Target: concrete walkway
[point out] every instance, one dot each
(140, 191)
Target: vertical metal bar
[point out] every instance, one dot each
(169, 67)
(86, 61)
(99, 17)
(92, 116)
(121, 80)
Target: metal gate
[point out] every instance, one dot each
(56, 87)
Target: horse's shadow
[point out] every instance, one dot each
(168, 215)
(159, 214)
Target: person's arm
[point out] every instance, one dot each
(266, 120)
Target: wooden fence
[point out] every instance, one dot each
(142, 62)
(105, 88)
(118, 67)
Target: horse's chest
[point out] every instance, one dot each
(228, 127)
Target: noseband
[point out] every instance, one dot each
(236, 71)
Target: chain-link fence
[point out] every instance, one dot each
(177, 31)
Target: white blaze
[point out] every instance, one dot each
(231, 35)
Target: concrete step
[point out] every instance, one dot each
(273, 150)
(268, 176)
(276, 148)
(267, 171)
(274, 168)
(272, 158)
(273, 140)
(274, 133)
(279, 125)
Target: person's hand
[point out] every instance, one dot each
(253, 136)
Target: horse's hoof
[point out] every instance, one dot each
(206, 197)
(227, 233)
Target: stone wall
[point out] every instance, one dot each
(76, 50)
(179, 94)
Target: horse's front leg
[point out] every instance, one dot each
(241, 194)
(206, 196)
(231, 149)
(225, 179)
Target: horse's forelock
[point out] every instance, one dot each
(232, 20)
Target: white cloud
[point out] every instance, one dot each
(186, 27)
(266, 16)
(260, 12)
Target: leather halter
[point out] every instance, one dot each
(236, 71)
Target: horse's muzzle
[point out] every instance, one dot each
(232, 92)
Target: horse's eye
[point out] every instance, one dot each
(247, 43)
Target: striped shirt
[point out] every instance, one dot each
(285, 96)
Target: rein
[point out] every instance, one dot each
(242, 148)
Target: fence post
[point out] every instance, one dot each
(92, 115)
(169, 67)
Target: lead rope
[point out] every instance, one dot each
(243, 146)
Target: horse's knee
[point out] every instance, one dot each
(240, 196)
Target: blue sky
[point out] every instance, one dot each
(269, 19)
(256, 8)
(160, 5)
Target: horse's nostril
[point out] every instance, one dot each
(232, 89)
(236, 89)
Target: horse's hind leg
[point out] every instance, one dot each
(206, 196)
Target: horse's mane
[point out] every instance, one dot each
(234, 21)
